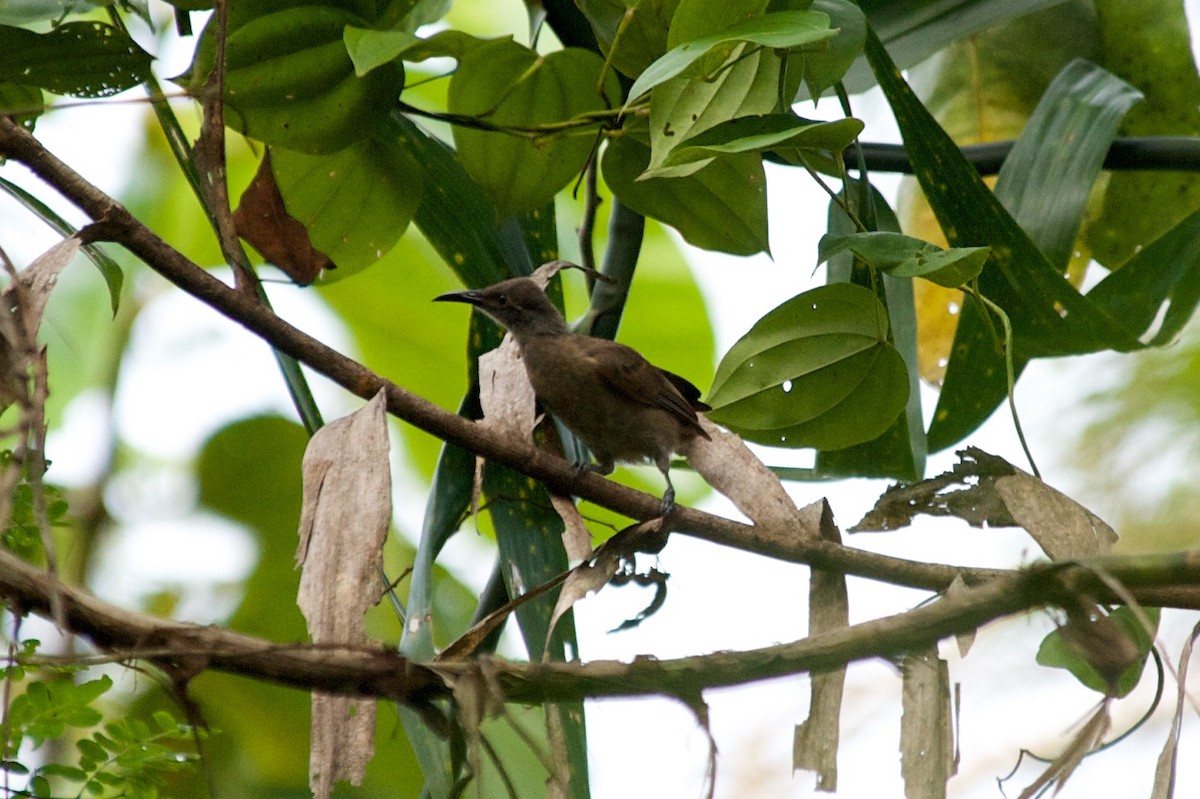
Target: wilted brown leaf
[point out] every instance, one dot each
(262, 219)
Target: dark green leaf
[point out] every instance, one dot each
(815, 372)
(900, 452)
(631, 33)
(1165, 270)
(721, 207)
(822, 68)
(289, 80)
(779, 132)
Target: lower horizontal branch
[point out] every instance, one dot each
(185, 650)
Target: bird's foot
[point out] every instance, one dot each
(668, 501)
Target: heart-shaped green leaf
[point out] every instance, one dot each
(817, 371)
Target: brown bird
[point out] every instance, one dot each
(622, 407)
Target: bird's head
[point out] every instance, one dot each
(519, 304)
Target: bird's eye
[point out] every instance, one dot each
(501, 299)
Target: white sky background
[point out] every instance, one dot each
(719, 599)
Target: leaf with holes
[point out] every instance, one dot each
(84, 59)
(818, 371)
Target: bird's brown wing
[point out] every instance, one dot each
(628, 373)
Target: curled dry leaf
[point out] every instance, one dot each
(590, 576)
(997, 494)
(25, 300)
(728, 465)
(263, 220)
(343, 524)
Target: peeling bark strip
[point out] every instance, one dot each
(343, 525)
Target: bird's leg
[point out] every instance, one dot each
(668, 500)
(601, 466)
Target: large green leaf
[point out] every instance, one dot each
(289, 80)
(355, 203)
(817, 371)
(503, 84)
(1046, 187)
(721, 207)
(1048, 316)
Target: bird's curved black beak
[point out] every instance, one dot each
(471, 297)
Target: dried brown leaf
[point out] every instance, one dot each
(1164, 771)
(995, 494)
(263, 220)
(728, 465)
(1063, 766)
(926, 735)
(343, 524)
(816, 740)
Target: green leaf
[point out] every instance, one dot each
(23, 102)
(503, 84)
(1049, 317)
(370, 49)
(630, 33)
(905, 256)
(1167, 270)
(355, 203)
(1048, 177)
(721, 207)
(1056, 652)
(822, 68)
(1149, 44)
(781, 30)
(84, 59)
(900, 451)
(289, 80)
(776, 132)
(817, 371)
(913, 30)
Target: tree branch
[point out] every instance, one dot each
(184, 650)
